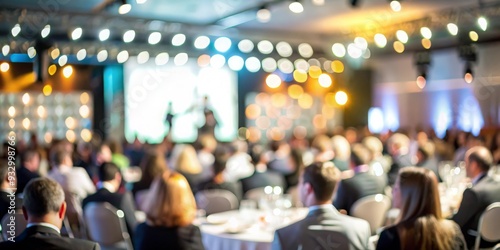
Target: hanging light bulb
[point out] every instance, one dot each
(296, 7)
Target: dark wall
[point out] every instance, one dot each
(359, 90)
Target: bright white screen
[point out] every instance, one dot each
(150, 88)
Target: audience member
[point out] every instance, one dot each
(117, 156)
(110, 179)
(206, 155)
(188, 165)
(261, 177)
(170, 211)
(398, 147)
(322, 145)
(421, 224)
(44, 209)
(153, 165)
(135, 152)
(28, 170)
(279, 158)
(239, 164)
(316, 188)
(362, 184)
(74, 180)
(484, 191)
(342, 150)
(218, 180)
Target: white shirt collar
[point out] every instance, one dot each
(316, 207)
(477, 178)
(44, 224)
(107, 186)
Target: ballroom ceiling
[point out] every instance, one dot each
(321, 24)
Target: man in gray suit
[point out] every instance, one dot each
(324, 227)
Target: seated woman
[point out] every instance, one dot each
(420, 224)
(170, 212)
(153, 165)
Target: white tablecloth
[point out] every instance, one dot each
(257, 235)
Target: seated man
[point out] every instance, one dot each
(361, 184)
(218, 180)
(28, 170)
(74, 180)
(484, 191)
(316, 187)
(44, 209)
(110, 179)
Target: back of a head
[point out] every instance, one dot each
(360, 155)
(322, 143)
(154, 164)
(341, 147)
(207, 141)
(29, 155)
(398, 141)
(108, 171)
(421, 224)
(373, 144)
(482, 156)
(188, 162)
(323, 178)
(60, 156)
(171, 202)
(42, 196)
(115, 147)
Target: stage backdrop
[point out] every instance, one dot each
(150, 89)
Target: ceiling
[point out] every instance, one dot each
(321, 26)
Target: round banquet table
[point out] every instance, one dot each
(246, 230)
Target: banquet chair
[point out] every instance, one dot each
(373, 209)
(489, 228)
(255, 194)
(216, 201)
(21, 224)
(106, 226)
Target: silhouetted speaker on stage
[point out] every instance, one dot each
(210, 120)
(169, 117)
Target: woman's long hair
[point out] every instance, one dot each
(421, 224)
(170, 202)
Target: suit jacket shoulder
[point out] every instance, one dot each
(357, 231)
(44, 238)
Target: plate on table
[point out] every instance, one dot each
(217, 219)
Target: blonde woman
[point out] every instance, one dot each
(421, 224)
(170, 210)
(189, 166)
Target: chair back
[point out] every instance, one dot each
(319, 239)
(373, 209)
(106, 225)
(489, 226)
(74, 216)
(216, 201)
(20, 224)
(255, 194)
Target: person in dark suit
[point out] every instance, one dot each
(323, 225)
(170, 210)
(44, 209)
(483, 192)
(110, 179)
(28, 169)
(361, 184)
(420, 224)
